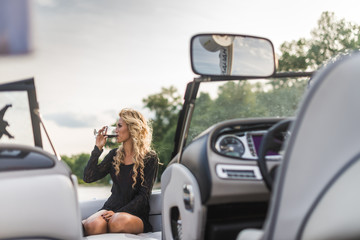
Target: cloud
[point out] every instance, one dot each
(72, 120)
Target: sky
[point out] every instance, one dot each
(92, 58)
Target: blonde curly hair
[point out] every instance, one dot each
(141, 134)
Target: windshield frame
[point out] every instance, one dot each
(28, 86)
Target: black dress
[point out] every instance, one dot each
(123, 197)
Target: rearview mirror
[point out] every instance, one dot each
(232, 55)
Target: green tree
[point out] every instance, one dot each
(165, 106)
(203, 115)
(282, 101)
(77, 164)
(329, 38)
(240, 95)
(166, 145)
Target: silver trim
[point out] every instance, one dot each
(238, 172)
(246, 140)
(188, 197)
(240, 138)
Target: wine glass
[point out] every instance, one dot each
(110, 132)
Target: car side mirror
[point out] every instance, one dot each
(232, 55)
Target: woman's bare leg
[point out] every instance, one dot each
(95, 224)
(122, 222)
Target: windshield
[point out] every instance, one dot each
(220, 101)
(15, 118)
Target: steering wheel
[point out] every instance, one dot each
(273, 140)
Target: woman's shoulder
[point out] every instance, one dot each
(151, 153)
(151, 156)
(113, 151)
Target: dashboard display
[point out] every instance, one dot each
(256, 138)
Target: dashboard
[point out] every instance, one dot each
(223, 160)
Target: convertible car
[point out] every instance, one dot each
(257, 154)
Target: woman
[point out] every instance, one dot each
(133, 168)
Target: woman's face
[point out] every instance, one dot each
(122, 131)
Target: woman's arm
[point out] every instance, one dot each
(94, 171)
(141, 200)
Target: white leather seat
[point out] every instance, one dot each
(317, 192)
(37, 202)
(90, 207)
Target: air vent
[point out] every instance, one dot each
(238, 172)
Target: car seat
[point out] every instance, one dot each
(38, 195)
(316, 193)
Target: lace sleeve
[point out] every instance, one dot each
(137, 205)
(94, 171)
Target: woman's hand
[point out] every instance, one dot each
(107, 215)
(101, 138)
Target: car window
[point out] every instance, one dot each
(15, 118)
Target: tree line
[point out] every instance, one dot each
(330, 38)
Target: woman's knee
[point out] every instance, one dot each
(125, 223)
(118, 222)
(95, 226)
